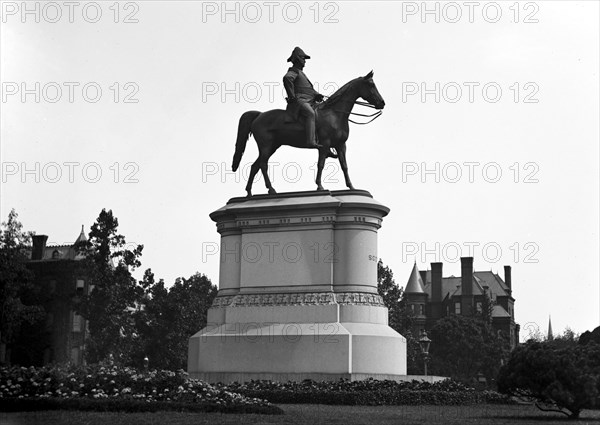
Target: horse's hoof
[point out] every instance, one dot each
(272, 191)
(351, 187)
(248, 194)
(320, 188)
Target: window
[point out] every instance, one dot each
(457, 308)
(422, 309)
(478, 307)
(77, 322)
(55, 254)
(80, 285)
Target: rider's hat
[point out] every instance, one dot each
(297, 53)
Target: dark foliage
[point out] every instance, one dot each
(108, 265)
(465, 346)
(565, 376)
(400, 318)
(170, 316)
(588, 337)
(366, 393)
(20, 301)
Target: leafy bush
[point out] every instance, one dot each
(122, 386)
(565, 376)
(368, 392)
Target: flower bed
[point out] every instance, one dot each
(368, 392)
(100, 387)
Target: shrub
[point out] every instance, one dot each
(368, 392)
(566, 377)
(124, 388)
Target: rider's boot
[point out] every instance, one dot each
(310, 134)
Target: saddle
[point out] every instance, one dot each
(293, 113)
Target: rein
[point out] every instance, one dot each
(374, 115)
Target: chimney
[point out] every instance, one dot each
(466, 275)
(508, 277)
(39, 246)
(436, 282)
(466, 283)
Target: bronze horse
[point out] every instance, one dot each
(271, 130)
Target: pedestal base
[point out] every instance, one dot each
(294, 350)
(298, 293)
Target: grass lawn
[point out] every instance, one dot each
(315, 414)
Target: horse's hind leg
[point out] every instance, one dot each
(253, 170)
(263, 160)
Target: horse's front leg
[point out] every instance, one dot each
(342, 157)
(320, 165)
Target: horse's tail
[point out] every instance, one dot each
(242, 137)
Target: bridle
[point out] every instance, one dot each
(373, 116)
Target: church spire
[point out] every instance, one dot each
(415, 283)
(550, 336)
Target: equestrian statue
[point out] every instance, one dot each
(309, 121)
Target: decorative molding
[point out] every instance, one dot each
(304, 298)
(222, 301)
(359, 298)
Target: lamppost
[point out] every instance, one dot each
(146, 363)
(424, 342)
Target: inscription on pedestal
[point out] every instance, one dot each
(304, 298)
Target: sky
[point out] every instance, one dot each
(487, 146)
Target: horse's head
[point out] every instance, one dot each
(368, 91)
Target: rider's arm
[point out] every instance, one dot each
(288, 84)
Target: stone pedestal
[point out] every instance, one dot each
(298, 292)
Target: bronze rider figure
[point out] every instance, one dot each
(302, 94)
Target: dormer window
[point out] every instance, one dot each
(55, 254)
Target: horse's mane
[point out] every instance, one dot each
(340, 92)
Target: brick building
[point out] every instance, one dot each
(431, 296)
(57, 275)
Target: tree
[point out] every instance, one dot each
(564, 378)
(588, 337)
(18, 305)
(115, 295)
(465, 346)
(171, 316)
(399, 317)
(392, 296)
